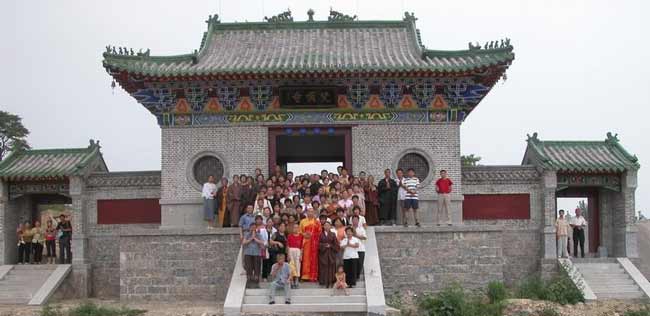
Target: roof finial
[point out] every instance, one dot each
(213, 19)
(532, 138)
(310, 13)
(92, 143)
(612, 138)
(409, 17)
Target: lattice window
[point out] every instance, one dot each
(391, 94)
(207, 166)
(228, 97)
(417, 162)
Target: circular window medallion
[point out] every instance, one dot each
(207, 166)
(417, 162)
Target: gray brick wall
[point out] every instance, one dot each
(243, 148)
(522, 239)
(177, 266)
(103, 240)
(377, 147)
(428, 259)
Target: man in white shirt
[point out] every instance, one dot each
(209, 203)
(360, 233)
(578, 223)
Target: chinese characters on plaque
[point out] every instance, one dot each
(308, 97)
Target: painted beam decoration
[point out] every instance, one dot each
(608, 181)
(285, 102)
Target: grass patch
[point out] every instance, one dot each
(644, 311)
(90, 309)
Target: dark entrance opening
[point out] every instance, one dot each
(309, 144)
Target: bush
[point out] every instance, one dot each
(49, 310)
(532, 288)
(496, 292)
(559, 289)
(454, 301)
(549, 311)
(90, 309)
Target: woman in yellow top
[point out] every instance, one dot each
(24, 256)
(310, 229)
(38, 242)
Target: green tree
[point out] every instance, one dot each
(469, 160)
(13, 135)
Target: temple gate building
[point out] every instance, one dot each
(367, 94)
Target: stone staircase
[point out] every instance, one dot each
(608, 279)
(30, 284)
(309, 298)
(366, 298)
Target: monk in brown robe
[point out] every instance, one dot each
(234, 201)
(328, 248)
(248, 193)
(222, 204)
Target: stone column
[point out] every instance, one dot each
(549, 185)
(4, 229)
(80, 263)
(628, 189)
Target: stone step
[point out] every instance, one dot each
(332, 299)
(603, 270)
(618, 288)
(280, 307)
(304, 292)
(34, 267)
(620, 295)
(311, 285)
(611, 283)
(14, 301)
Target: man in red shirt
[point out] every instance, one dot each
(443, 187)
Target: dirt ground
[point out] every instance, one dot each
(516, 307)
(152, 308)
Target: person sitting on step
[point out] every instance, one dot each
(280, 273)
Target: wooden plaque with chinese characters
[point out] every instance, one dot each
(308, 97)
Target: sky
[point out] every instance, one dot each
(581, 68)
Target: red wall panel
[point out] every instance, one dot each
(496, 206)
(136, 211)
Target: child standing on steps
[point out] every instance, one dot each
(294, 243)
(340, 281)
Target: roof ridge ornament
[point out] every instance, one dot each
(336, 16)
(213, 19)
(310, 13)
(503, 43)
(533, 138)
(124, 51)
(280, 18)
(612, 139)
(410, 17)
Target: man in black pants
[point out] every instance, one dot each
(65, 227)
(578, 223)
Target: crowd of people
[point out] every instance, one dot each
(312, 228)
(34, 240)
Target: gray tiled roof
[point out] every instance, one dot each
(299, 47)
(48, 163)
(582, 156)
